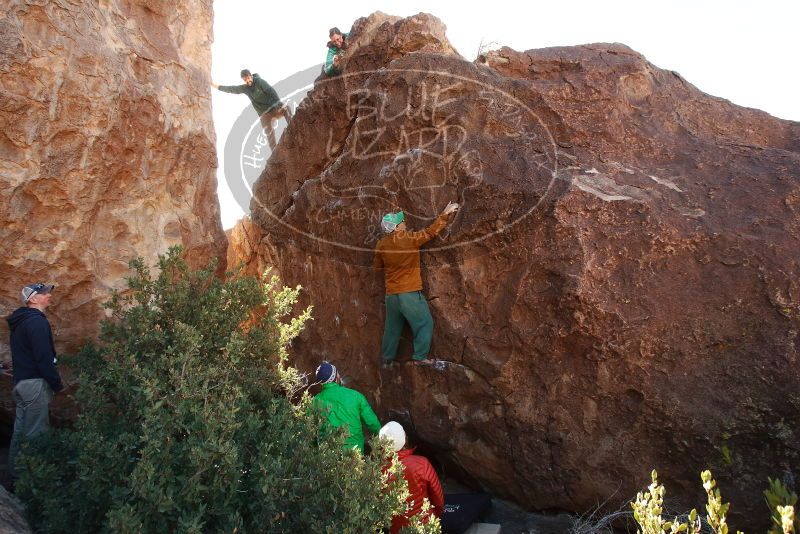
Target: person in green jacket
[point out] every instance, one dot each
(337, 44)
(264, 99)
(344, 407)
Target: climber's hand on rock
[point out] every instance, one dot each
(337, 59)
(214, 85)
(450, 208)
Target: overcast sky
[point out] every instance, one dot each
(746, 52)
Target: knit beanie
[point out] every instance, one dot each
(391, 220)
(326, 373)
(393, 431)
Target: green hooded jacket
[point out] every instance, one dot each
(347, 407)
(329, 68)
(261, 94)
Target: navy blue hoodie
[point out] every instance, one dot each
(32, 352)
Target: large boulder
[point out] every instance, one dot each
(107, 149)
(618, 293)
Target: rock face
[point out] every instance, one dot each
(12, 515)
(243, 248)
(107, 149)
(618, 293)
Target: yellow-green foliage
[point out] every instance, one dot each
(781, 504)
(647, 511)
(430, 524)
(188, 424)
(716, 508)
(648, 507)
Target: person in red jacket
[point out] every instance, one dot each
(423, 483)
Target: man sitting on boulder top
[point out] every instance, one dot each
(423, 483)
(397, 255)
(344, 407)
(264, 99)
(337, 44)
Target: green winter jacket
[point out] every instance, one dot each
(347, 407)
(261, 94)
(329, 67)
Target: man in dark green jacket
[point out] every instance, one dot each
(344, 407)
(264, 99)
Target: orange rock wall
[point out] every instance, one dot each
(107, 148)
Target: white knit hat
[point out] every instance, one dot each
(393, 431)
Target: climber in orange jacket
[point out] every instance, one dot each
(397, 255)
(423, 483)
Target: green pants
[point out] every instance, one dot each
(412, 307)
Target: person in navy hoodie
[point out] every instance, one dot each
(33, 358)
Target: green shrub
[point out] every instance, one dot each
(431, 525)
(716, 509)
(648, 508)
(781, 503)
(186, 422)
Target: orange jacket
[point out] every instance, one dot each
(397, 255)
(423, 483)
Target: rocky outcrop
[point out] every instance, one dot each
(618, 293)
(12, 515)
(244, 243)
(107, 148)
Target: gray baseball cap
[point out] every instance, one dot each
(35, 289)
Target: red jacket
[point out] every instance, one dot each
(423, 483)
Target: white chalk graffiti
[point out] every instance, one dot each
(510, 115)
(421, 148)
(380, 131)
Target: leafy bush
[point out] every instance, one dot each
(186, 422)
(781, 503)
(430, 525)
(648, 508)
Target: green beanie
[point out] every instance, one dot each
(394, 218)
(391, 220)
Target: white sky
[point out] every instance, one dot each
(744, 51)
